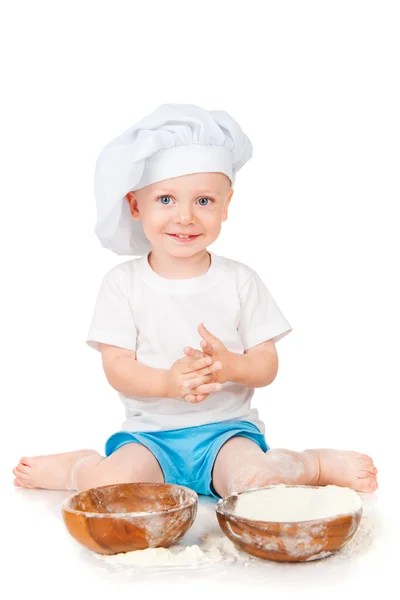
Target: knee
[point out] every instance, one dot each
(131, 463)
(84, 474)
(247, 479)
(275, 467)
(287, 466)
(253, 474)
(96, 473)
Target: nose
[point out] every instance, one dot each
(184, 214)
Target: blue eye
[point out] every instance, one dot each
(167, 203)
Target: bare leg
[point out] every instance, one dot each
(84, 469)
(50, 472)
(241, 465)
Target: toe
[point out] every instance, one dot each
(367, 465)
(23, 483)
(373, 484)
(366, 473)
(22, 470)
(367, 459)
(23, 475)
(26, 460)
(367, 484)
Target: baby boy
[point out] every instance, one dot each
(163, 190)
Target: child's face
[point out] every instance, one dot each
(192, 204)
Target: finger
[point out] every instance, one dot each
(206, 371)
(200, 398)
(194, 399)
(203, 331)
(189, 384)
(206, 335)
(193, 352)
(207, 388)
(200, 363)
(191, 398)
(193, 365)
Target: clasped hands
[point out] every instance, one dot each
(194, 376)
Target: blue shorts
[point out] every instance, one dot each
(186, 456)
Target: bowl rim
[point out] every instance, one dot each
(193, 499)
(220, 509)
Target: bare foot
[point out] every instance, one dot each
(346, 469)
(50, 472)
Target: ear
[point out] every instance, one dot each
(227, 201)
(133, 205)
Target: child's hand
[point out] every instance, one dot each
(188, 373)
(193, 353)
(215, 348)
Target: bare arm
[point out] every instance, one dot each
(129, 377)
(257, 367)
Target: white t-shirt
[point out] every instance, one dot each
(157, 317)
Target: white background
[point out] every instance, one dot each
(315, 85)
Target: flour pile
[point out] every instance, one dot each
(214, 548)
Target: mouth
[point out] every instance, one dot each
(187, 238)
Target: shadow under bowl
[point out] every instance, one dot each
(129, 516)
(291, 541)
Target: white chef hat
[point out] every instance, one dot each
(174, 140)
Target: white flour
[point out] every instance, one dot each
(214, 548)
(288, 504)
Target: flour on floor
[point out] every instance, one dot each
(216, 548)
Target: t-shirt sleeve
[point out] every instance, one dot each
(260, 317)
(112, 321)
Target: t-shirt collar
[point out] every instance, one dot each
(178, 286)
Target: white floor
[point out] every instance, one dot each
(42, 557)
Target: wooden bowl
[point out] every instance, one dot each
(129, 516)
(292, 541)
